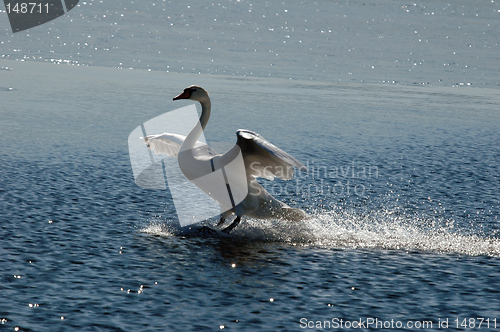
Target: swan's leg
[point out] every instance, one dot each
(221, 221)
(233, 225)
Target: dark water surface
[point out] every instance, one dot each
(402, 186)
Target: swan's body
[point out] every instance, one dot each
(261, 159)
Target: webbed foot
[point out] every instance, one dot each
(233, 225)
(221, 221)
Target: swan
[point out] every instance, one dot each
(260, 159)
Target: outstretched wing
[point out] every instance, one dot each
(170, 144)
(263, 159)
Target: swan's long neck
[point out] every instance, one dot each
(195, 133)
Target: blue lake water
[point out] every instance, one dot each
(403, 182)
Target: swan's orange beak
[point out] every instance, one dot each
(184, 95)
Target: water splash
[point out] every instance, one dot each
(347, 229)
(159, 228)
(382, 230)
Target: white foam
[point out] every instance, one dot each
(159, 228)
(344, 229)
(383, 230)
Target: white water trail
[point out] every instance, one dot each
(387, 230)
(382, 230)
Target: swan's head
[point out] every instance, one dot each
(193, 92)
